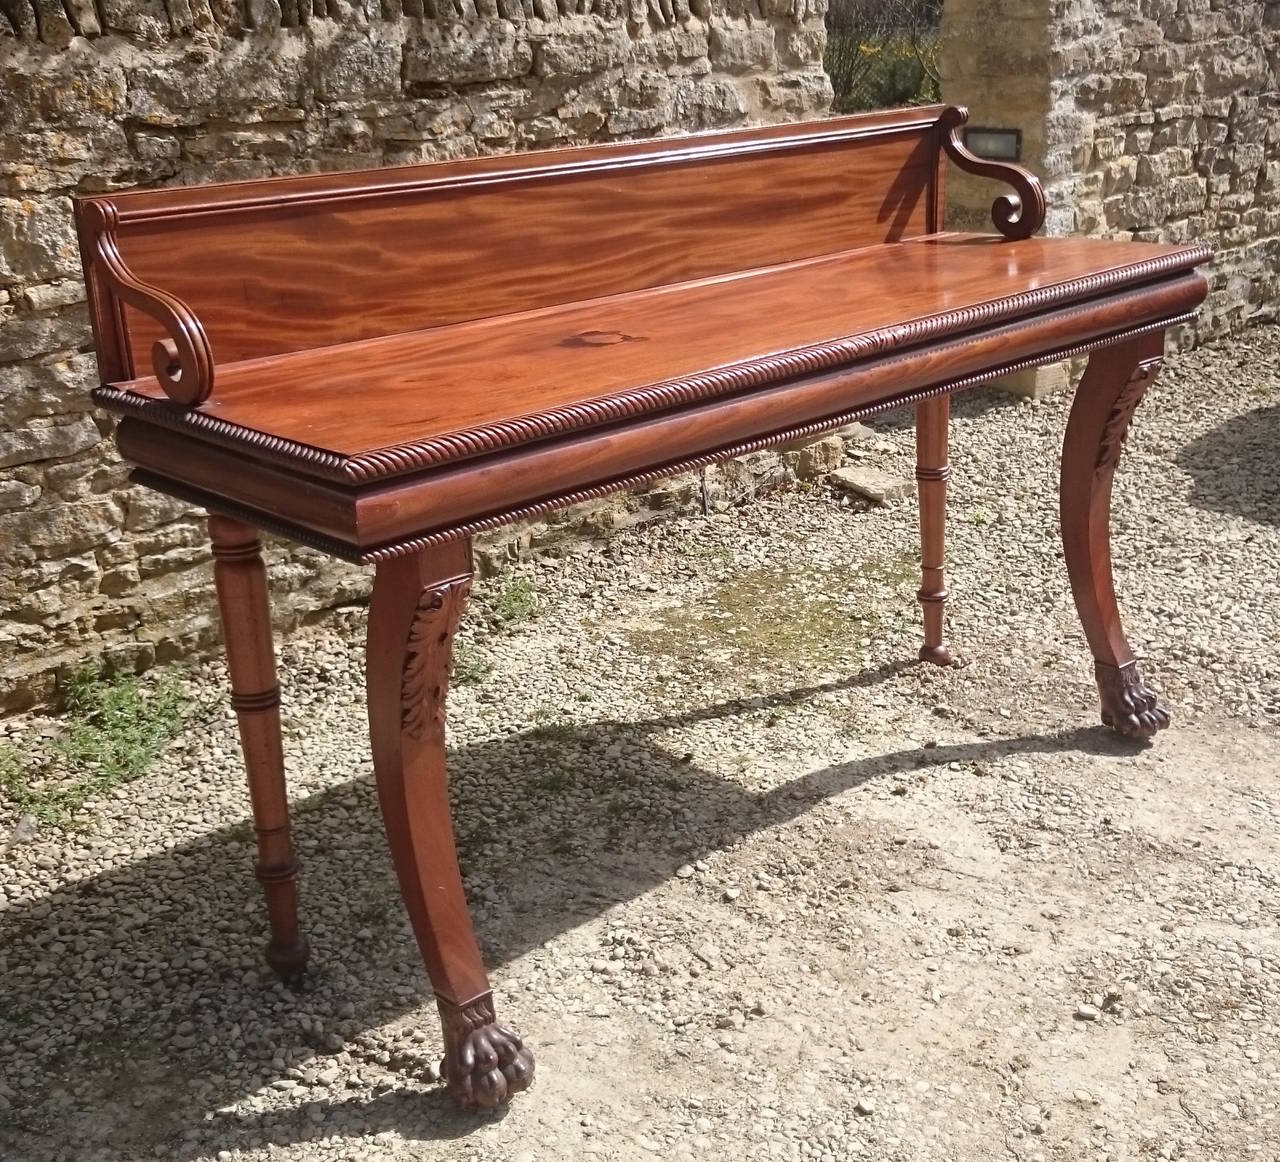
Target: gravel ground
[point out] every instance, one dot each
(751, 884)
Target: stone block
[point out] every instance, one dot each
(48, 296)
(37, 240)
(742, 50)
(581, 47)
(15, 494)
(47, 389)
(357, 64)
(456, 54)
(817, 458)
(29, 336)
(47, 441)
(872, 484)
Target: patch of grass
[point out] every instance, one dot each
(769, 615)
(980, 517)
(516, 601)
(553, 782)
(469, 668)
(113, 733)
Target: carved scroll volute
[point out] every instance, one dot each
(183, 361)
(1017, 215)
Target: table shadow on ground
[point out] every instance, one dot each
(529, 882)
(1233, 466)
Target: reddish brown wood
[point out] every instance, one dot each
(241, 581)
(1112, 388)
(417, 603)
(434, 396)
(269, 277)
(408, 356)
(385, 513)
(933, 418)
(1017, 215)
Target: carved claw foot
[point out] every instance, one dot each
(484, 1064)
(1129, 706)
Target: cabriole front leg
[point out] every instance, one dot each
(417, 603)
(1113, 386)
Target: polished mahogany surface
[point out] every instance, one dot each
(384, 364)
(286, 265)
(437, 384)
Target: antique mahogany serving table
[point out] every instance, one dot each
(380, 364)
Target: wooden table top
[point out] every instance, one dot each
(460, 390)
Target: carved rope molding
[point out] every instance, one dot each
(431, 452)
(183, 362)
(375, 556)
(1017, 215)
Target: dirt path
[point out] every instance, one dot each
(751, 885)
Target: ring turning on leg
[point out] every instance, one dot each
(933, 417)
(241, 581)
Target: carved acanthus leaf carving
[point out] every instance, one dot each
(1117, 425)
(427, 657)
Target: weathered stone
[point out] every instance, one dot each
(47, 296)
(739, 50)
(872, 484)
(1157, 120)
(37, 240)
(45, 333)
(47, 441)
(577, 48)
(815, 460)
(47, 389)
(458, 55)
(14, 494)
(358, 64)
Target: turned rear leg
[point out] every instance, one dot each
(1113, 386)
(417, 603)
(241, 580)
(933, 418)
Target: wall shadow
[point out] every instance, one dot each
(162, 941)
(1234, 466)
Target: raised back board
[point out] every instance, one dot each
(289, 264)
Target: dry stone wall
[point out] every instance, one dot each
(1152, 119)
(101, 94)
(1165, 125)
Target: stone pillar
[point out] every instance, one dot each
(996, 60)
(1157, 120)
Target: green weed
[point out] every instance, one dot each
(113, 733)
(516, 601)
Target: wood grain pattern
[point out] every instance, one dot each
(408, 357)
(437, 396)
(272, 277)
(225, 482)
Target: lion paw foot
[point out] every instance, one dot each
(484, 1065)
(1129, 706)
